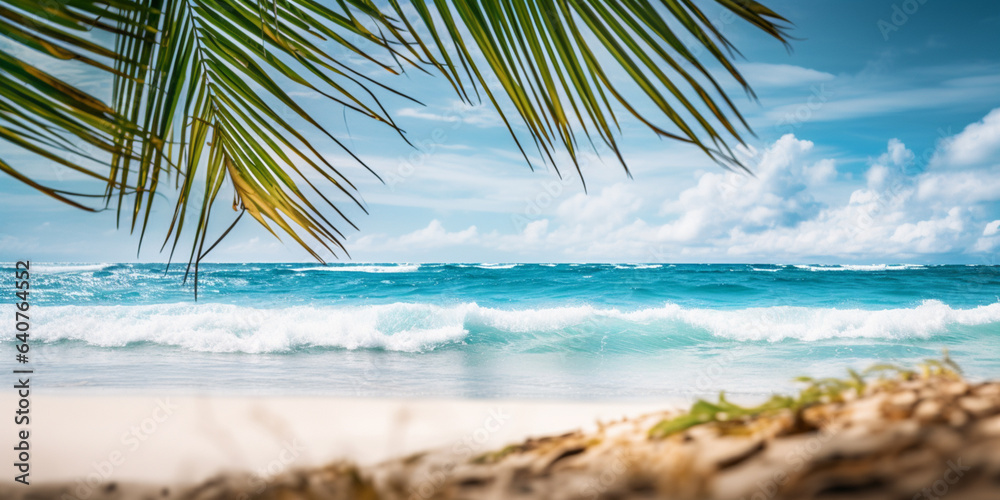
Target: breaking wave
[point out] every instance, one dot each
(415, 327)
(399, 268)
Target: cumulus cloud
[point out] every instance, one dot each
(896, 215)
(990, 240)
(978, 144)
(779, 195)
(796, 207)
(608, 209)
(435, 235)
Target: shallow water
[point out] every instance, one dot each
(566, 331)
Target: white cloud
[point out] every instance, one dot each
(971, 186)
(822, 172)
(456, 112)
(977, 144)
(849, 97)
(432, 237)
(895, 215)
(931, 236)
(608, 209)
(776, 216)
(990, 241)
(435, 235)
(795, 208)
(778, 196)
(781, 75)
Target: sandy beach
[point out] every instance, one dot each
(185, 440)
(908, 437)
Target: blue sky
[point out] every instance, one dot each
(878, 140)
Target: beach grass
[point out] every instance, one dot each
(816, 391)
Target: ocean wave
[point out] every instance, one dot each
(862, 267)
(69, 268)
(496, 266)
(415, 327)
(362, 268)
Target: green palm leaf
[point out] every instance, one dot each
(196, 88)
(42, 114)
(547, 56)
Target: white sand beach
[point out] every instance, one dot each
(178, 440)
(904, 437)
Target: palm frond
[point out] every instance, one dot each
(198, 88)
(556, 60)
(44, 115)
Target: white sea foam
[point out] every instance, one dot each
(362, 268)
(496, 266)
(421, 327)
(68, 268)
(862, 267)
(807, 323)
(230, 328)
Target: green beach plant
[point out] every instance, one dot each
(196, 98)
(930, 367)
(816, 391)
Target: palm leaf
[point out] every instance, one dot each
(41, 113)
(547, 56)
(197, 86)
(214, 81)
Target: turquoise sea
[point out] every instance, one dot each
(556, 331)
